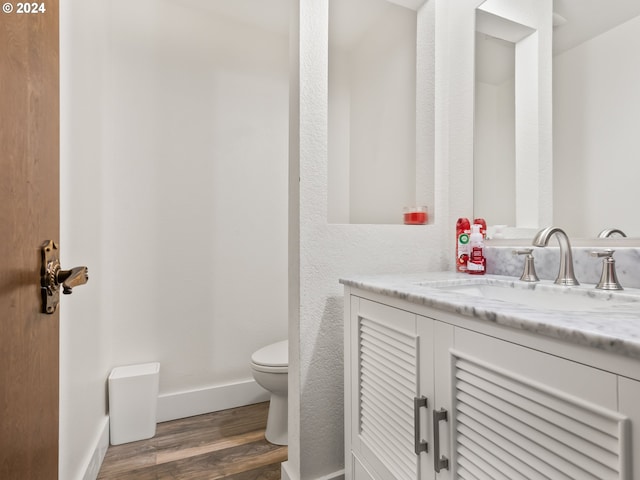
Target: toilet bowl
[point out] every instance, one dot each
(270, 368)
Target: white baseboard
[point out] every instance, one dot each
(172, 406)
(99, 451)
(339, 475)
(287, 474)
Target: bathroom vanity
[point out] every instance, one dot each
(451, 376)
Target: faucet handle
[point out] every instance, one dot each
(606, 253)
(608, 278)
(529, 271)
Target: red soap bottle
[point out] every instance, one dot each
(462, 244)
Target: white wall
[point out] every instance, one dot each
(330, 251)
(596, 103)
(174, 179)
(84, 328)
(198, 174)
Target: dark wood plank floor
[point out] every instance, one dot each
(229, 444)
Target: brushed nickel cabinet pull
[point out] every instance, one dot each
(439, 462)
(419, 444)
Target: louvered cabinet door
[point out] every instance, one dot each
(523, 414)
(384, 384)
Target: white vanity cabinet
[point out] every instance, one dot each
(513, 410)
(389, 391)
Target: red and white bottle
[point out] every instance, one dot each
(462, 244)
(477, 264)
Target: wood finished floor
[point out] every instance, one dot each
(229, 444)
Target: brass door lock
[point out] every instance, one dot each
(52, 276)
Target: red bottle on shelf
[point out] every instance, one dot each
(463, 228)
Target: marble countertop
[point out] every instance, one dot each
(612, 327)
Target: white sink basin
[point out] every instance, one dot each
(548, 297)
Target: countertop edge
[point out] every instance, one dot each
(615, 332)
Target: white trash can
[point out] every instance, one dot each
(133, 399)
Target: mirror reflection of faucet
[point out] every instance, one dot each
(565, 277)
(610, 232)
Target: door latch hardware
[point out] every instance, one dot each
(52, 276)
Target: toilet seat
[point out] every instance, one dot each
(266, 369)
(273, 358)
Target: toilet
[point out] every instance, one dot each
(270, 368)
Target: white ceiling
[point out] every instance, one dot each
(587, 19)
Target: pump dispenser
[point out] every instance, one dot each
(477, 262)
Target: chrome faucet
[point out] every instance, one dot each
(566, 276)
(608, 232)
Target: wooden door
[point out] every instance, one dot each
(29, 215)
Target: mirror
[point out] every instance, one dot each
(596, 107)
(376, 163)
(512, 121)
(494, 124)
